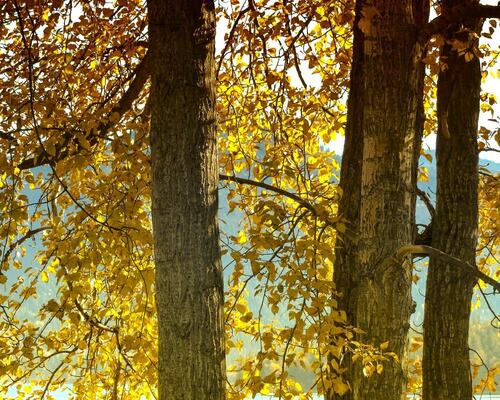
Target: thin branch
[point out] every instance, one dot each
(272, 188)
(20, 241)
(427, 201)
(230, 38)
(438, 254)
(488, 304)
(51, 378)
(490, 149)
(93, 320)
(7, 136)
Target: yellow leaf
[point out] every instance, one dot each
(242, 238)
(46, 14)
(83, 142)
(247, 317)
(82, 344)
(368, 370)
(52, 306)
(50, 148)
(45, 276)
(384, 346)
(340, 387)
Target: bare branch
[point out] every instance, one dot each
(490, 149)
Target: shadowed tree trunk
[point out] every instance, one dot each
(350, 183)
(449, 290)
(189, 285)
(378, 175)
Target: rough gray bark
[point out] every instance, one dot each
(391, 102)
(383, 136)
(449, 289)
(189, 286)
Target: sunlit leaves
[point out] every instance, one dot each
(88, 279)
(91, 289)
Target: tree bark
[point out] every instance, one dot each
(189, 285)
(383, 138)
(391, 101)
(378, 177)
(449, 289)
(350, 182)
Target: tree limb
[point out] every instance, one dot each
(427, 201)
(274, 189)
(230, 38)
(438, 254)
(459, 14)
(424, 237)
(19, 242)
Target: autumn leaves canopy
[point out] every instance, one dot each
(121, 120)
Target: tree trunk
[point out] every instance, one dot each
(385, 113)
(350, 183)
(383, 306)
(189, 285)
(449, 290)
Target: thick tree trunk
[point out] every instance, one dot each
(391, 74)
(449, 290)
(382, 142)
(385, 113)
(189, 285)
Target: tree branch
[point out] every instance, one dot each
(427, 201)
(141, 72)
(19, 242)
(274, 189)
(459, 14)
(304, 203)
(438, 254)
(230, 39)
(424, 237)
